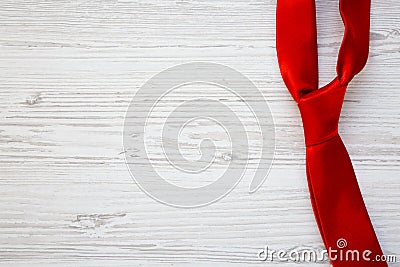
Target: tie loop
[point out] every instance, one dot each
(296, 43)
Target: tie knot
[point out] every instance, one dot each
(320, 112)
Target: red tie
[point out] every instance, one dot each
(337, 202)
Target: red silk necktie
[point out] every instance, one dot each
(337, 202)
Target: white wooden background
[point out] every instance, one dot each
(68, 70)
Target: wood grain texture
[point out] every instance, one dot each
(68, 70)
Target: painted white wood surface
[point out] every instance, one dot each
(68, 70)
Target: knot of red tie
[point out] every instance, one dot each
(320, 112)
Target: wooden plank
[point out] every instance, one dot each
(68, 72)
